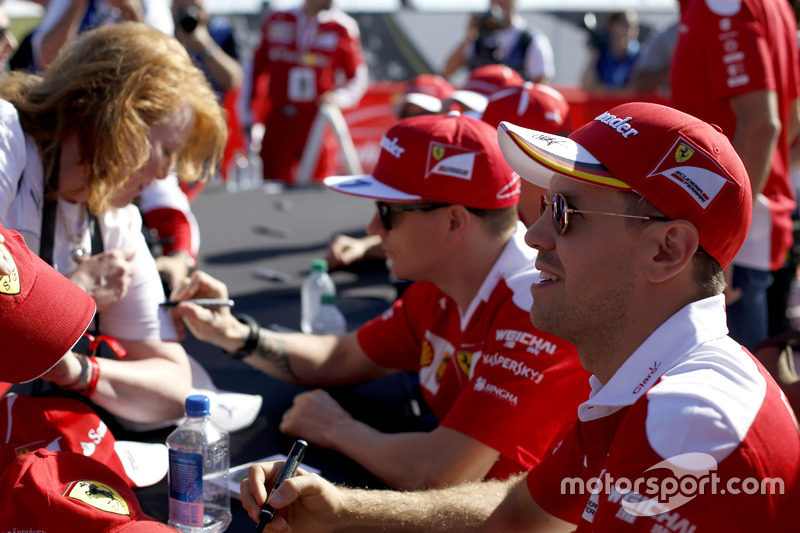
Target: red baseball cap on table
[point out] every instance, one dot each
(426, 91)
(42, 313)
(65, 491)
(67, 424)
(483, 82)
(532, 105)
(685, 167)
(440, 158)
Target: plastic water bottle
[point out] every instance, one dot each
(329, 320)
(315, 285)
(199, 466)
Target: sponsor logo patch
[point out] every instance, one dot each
(98, 495)
(447, 160)
(9, 284)
(698, 175)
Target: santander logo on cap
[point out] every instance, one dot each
(619, 124)
(391, 146)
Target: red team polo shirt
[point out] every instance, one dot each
(487, 373)
(692, 395)
(735, 47)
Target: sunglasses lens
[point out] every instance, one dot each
(384, 215)
(542, 204)
(560, 213)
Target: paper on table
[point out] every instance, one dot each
(239, 473)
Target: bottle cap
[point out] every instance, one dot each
(197, 405)
(319, 264)
(328, 299)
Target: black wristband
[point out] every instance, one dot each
(253, 336)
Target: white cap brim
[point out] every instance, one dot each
(536, 156)
(471, 99)
(145, 463)
(366, 186)
(425, 101)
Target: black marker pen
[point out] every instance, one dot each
(289, 469)
(202, 302)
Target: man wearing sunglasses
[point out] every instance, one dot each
(502, 391)
(683, 430)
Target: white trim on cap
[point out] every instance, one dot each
(365, 185)
(471, 99)
(425, 101)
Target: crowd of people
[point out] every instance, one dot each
(612, 277)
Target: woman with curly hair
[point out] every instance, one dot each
(119, 107)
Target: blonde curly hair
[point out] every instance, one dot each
(110, 86)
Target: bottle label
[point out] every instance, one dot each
(186, 488)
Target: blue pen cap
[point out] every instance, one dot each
(197, 406)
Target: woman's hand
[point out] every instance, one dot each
(106, 276)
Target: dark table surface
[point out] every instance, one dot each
(242, 235)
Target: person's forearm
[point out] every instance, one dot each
(151, 389)
(758, 128)
(464, 508)
(311, 360)
(407, 460)
(226, 71)
(63, 31)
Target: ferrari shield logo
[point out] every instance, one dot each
(98, 495)
(9, 284)
(683, 153)
(437, 152)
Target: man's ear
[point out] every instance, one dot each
(674, 245)
(459, 219)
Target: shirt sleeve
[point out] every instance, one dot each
(739, 65)
(539, 60)
(388, 339)
(550, 482)
(523, 392)
(351, 59)
(137, 315)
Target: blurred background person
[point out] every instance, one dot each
(737, 66)
(651, 72)
(211, 44)
(8, 43)
(613, 54)
(501, 36)
(307, 55)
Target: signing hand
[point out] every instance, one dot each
(106, 276)
(217, 326)
(315, 416)
(310, 504)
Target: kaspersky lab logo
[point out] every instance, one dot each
(689, 475)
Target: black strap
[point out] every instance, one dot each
(49, 221)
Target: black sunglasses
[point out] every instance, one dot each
(385, 211)
(562, 210)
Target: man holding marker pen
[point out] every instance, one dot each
(447, 217)
(684, 430)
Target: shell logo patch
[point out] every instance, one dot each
(683, 153)
(9, 284)
(426, 355)
(98, 495)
